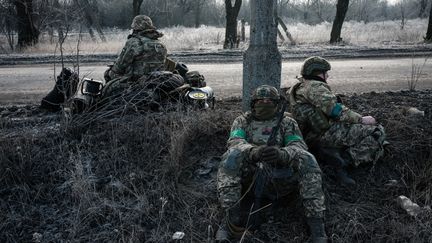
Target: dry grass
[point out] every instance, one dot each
(136, 178)
(211, 38)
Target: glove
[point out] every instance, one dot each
(255, 153)
(368, 120)
(272, 155)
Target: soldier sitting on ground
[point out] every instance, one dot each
(291, 167)
(337, 134)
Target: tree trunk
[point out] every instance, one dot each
(262, 60)
(28, 34)
(422, 10)
(9, 24)
(136, 7)
(198, 13)
(243, 31)
(91, 14)
(341, 9)
(428, 37)
(231, 23)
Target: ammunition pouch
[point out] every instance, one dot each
(170, 65)
(312, 121)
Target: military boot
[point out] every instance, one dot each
(333, 157)
(317, 230)
(231, 228)
(223, 234)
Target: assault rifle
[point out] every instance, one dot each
(264, 172)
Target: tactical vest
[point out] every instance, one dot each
(311, 120)
(259, 138)
(152, 57)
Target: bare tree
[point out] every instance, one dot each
(7, 22)
(54, 17)
(341, 9)
(28, 34)
(91, 17)
(428, 37)
(317, 5)
(422, 8)
(402, 13)
(136, 6)
(186, 6)
(231, 23)
(198, 9)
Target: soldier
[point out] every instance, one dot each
(339, 135)
(142, 54)
(247, 149)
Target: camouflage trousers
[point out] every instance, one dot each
(364, 143)
(236, 177)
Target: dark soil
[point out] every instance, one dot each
(142, 176)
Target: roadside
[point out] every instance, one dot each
(24, 84)
(298, 52)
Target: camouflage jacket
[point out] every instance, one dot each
(142, 53)
(247, 133)
(316, 108)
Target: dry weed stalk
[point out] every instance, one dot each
(416, 73)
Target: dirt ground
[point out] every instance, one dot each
(141, 176)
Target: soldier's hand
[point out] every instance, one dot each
(368, 120)
(272, 155)
(255, 153)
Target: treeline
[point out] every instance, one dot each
(28, 18)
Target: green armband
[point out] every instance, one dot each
(290, 138)
(238, 133)
(336, 111)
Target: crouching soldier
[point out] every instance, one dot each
(339, 135)
(254, 168)
(142, 54)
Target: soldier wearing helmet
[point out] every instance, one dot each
(336, 134)
(247, 148)
(142, 54)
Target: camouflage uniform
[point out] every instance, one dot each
(235, 175)
(142, 54)
(325, 121)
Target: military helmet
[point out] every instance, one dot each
(313, 64)
(195, 79)
(265, 92)
(142, 22)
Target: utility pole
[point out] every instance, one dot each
(262, 60)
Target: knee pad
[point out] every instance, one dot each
(231, 161)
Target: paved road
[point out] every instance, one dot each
(29, 83)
